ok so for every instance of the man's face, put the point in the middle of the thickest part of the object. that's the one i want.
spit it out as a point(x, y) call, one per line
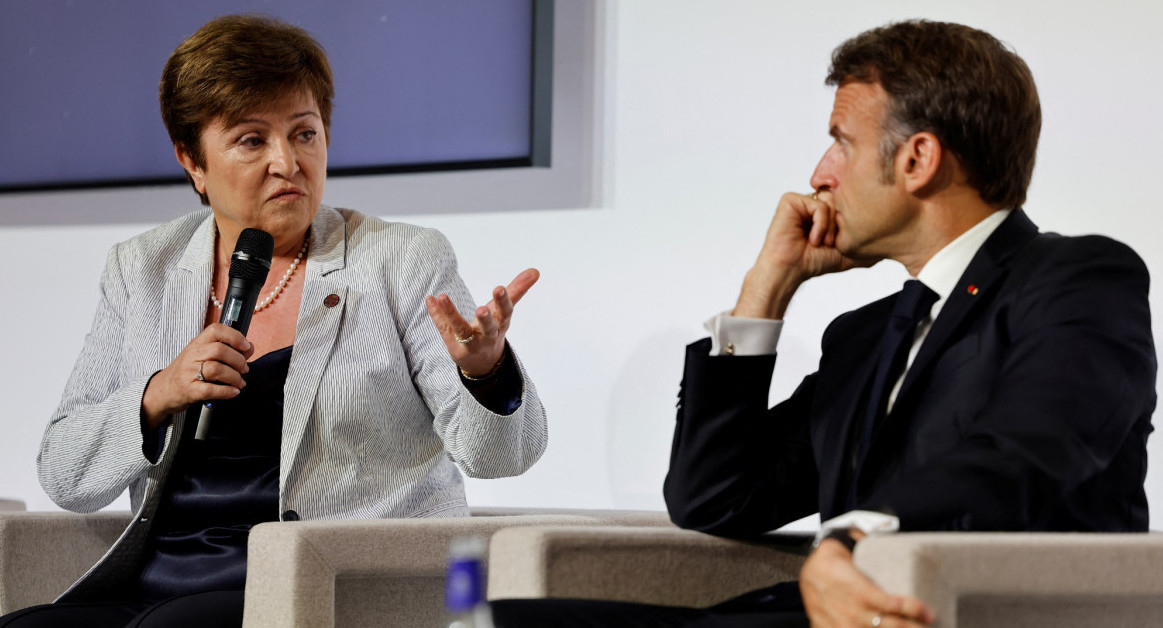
point(872, 216)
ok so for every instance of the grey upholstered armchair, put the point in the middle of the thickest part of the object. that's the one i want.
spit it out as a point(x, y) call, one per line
point(1005, 580)
point(383, 572)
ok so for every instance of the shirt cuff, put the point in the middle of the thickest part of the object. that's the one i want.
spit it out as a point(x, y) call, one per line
point(736, 335)
point(867, 521)
point(500, 393)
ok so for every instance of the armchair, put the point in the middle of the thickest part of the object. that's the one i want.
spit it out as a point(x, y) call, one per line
point(972, 580)
point(665, 566)
point(42, 553)
point(306, 573)
point(386, 572)
point(1019, 580)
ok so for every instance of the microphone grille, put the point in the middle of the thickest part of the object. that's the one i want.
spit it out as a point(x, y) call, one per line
point(252, 255)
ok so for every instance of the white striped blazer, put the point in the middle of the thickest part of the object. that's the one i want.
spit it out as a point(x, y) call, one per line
point(374, 413)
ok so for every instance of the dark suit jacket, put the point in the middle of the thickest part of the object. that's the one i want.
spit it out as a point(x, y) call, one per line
point(1027, 407)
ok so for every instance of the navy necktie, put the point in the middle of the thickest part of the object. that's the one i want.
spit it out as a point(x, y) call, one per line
point(911, 307)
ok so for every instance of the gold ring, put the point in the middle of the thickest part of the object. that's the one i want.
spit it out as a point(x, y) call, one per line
point(816, 195)
point(465, 340)
point(201, 377)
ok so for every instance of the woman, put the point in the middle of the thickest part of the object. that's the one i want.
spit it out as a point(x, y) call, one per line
point(341, 401)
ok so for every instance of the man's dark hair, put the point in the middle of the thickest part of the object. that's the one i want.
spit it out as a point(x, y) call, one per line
point(960, 84)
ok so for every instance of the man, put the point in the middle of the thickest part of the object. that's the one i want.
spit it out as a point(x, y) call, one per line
point(1015, 392)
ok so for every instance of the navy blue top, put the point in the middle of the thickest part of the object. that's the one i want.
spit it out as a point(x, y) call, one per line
point(219, 488)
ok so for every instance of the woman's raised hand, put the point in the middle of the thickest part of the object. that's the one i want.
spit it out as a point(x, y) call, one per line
point(477, 347)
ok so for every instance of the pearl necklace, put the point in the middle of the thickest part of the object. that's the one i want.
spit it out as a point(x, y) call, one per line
point(282, 282)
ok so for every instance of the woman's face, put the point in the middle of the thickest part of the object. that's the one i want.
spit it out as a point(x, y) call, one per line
point(266, 171)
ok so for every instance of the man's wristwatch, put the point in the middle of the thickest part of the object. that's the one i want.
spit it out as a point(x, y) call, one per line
point(844, 535)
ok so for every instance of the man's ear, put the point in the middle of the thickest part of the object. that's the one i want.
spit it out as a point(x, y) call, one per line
point(924, 165)
point(195, 172)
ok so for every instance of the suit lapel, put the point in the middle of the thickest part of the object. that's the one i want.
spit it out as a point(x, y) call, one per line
point(984, 275)
point(320, 314)
point(184, 297)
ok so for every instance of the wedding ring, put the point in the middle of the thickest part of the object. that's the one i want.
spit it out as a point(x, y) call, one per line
point(875, 621)
point(466, 339)
point(201, 377)
point(816, 197)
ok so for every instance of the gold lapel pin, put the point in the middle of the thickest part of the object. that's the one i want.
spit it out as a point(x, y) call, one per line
point(973, 290)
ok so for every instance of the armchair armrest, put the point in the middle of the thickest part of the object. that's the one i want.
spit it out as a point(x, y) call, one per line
point(648, 565)
point(374, 572)
point(42, 553)
point(610, 517)
point(1023, 579)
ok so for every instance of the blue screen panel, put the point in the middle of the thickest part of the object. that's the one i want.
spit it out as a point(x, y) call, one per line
point(418, 82)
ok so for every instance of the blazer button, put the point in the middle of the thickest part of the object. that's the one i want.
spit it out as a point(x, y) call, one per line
point(290, 515)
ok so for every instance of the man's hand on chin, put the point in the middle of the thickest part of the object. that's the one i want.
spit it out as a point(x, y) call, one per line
point(837, 595)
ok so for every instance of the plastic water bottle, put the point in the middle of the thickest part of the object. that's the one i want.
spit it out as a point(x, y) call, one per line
point(464, 585)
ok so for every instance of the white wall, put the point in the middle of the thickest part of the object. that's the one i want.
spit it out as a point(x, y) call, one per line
point(711, 109)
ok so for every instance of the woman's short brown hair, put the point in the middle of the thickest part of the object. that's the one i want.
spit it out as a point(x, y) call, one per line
point(962, 85)
point(234, 65)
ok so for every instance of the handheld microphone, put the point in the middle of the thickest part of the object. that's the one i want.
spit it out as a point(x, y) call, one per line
point(249, 265)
